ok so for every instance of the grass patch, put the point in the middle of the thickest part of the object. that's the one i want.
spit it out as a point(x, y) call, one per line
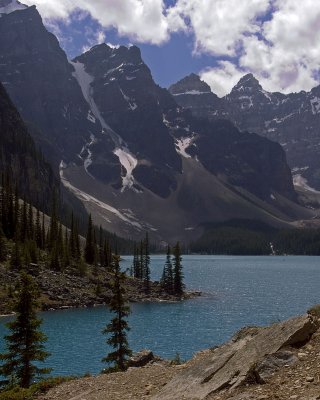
point(18, 393)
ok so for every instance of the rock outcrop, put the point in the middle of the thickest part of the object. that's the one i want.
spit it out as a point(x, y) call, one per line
point(289, 119)
point(239, 361)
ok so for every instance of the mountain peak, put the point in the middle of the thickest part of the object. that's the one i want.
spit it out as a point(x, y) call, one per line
point(8, 6)
point(248, 81)
point(103, 52)
point(191, 84)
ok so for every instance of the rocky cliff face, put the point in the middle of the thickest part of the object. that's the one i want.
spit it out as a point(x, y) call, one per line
point(20, 157)
point(291, 120)
point(136, 159)
point(38, 77)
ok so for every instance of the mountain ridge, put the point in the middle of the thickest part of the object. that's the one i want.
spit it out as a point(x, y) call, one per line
point(127, 150)
point(289, 119)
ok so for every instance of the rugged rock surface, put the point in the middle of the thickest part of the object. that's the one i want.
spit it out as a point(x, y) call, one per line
point(234, 363)
point(20, 156)
point(137, 160)
point(142, 358)
point(38, 77)
point(291, 120)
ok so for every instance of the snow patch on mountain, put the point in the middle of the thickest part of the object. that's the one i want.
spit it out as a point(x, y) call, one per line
point(85, 80)
point(131, 103)
point(10, 6)
point(192, 92)
point(128, 218)
point(248, 103)
point(182, 144)
point(90, 117)
point(88, 159)
point(127, 160)
point(129, 163)
point(315, 105)
point(302, 183)
point(267, 95)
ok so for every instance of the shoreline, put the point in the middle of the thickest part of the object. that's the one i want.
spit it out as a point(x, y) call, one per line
point(48, 308)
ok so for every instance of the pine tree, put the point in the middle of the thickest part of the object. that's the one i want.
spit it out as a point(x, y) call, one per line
point(15, 261)
point(25, 340)
point(89, 251)
point(23, 222)
point(30, 222)
point(118, 326)
point(136, 264)
point(146, 265)
point(3, 248)
point(178, 285)
point(167, 276)
point(43, 232)
point(38, 231)
point(53, 223)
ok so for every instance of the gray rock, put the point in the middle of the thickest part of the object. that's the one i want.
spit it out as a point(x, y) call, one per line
point(232, 364)
point(141, 358)
point(271, 363)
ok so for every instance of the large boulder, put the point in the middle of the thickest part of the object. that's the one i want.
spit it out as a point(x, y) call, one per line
point(235, 362)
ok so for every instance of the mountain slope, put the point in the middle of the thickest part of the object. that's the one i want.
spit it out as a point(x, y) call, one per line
point(291, 120)
point(21, 159)
point(136, 159)
point(38, 77)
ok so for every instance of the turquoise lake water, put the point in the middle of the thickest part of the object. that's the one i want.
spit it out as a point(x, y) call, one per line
point(237, 291)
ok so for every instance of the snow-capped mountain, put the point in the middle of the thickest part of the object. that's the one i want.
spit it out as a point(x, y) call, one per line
point(124, 147)
point(292, 120)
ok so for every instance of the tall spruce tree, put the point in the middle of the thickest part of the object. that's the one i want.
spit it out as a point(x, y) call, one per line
point(118, 326)
point(167, 282)
point(3, 248)
point(25, 342)
point(89, 251)
point(146, 265)
point(178, 285)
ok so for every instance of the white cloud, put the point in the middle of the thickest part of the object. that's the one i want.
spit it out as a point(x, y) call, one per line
point(276, 40)
point(222, 78)
point(284, 54)
point(141, 20)
point(219, 26)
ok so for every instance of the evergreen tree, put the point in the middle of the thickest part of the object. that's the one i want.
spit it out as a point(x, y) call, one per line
point(101, 252)
point(89, 251)
point(43, 232)
point(15, 261)
point(118, 326)
point(30, 222)
point(3, 248)
point(178, 285)
point(146, 265)
point(136, 264)
point(53, 223)
point(38, 231)
point(167, 282)
point(25, 340)
point(23, 222)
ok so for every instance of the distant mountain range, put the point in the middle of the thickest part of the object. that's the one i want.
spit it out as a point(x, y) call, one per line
point(293, 120)
point(138, 156)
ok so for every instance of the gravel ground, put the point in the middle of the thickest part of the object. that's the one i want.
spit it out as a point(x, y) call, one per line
point(300, 381)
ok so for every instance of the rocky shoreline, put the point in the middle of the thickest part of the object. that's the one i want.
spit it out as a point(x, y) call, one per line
point(68, 289)
point(277, 362)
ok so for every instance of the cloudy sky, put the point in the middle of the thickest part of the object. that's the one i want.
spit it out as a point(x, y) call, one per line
point(277, 40)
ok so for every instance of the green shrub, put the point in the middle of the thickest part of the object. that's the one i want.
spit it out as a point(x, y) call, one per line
point(18, 393)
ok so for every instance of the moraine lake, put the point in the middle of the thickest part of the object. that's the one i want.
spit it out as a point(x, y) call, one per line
point(237, 291)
